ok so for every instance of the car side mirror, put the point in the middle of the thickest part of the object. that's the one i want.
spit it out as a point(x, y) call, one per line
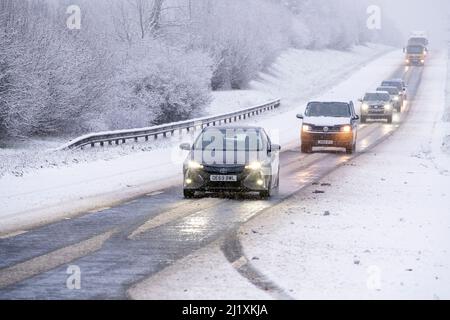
point(300, 116)
point(275, 148)
point(360, 100)
point(185, 146)
point(356, 117)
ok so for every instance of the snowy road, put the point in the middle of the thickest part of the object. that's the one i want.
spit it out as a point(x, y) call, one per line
point(117, 248)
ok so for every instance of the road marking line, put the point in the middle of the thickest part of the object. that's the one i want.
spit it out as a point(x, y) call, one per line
point(13, 234)
point(54, 259)
point(156, 193)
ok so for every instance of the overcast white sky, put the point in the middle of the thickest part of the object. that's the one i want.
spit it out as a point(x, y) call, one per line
point(432, 16)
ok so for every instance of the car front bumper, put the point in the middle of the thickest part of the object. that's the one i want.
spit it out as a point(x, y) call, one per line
point(247, 181)
point(340, 139)
point(377, 115)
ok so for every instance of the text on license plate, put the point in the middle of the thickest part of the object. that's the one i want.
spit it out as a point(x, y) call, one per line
point(223, 178)
point(325, 142)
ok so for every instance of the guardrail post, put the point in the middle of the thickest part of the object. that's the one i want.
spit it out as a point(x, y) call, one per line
point(146, 138)
point(136, 139)
point(124, 141)
point(92, 144)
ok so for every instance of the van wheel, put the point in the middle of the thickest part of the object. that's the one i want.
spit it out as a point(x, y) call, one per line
point(389, 119)
point(264, 194)
point(306, 148)
point(352, 149)
point(188, 194)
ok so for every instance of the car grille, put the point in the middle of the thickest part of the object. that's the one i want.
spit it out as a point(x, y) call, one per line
point(224, 169)
point(376, 109)
point(329, 129)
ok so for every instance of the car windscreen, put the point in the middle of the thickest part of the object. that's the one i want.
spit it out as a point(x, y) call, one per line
point(418, 40)
point(327, 109)
point(392, 84)
point(415, 49)
point(231, 140)
point(377, 97)
point(391, 90)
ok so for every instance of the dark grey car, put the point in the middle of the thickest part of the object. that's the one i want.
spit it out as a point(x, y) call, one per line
point(231, 159)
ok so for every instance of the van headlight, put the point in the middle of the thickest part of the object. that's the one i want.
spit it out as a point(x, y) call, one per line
point(365, 107)
point(306, 128)
point(388, 107)
point(346, 129)
point(396, 98)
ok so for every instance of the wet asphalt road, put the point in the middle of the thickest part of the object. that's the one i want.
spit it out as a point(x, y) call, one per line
point(121, 246)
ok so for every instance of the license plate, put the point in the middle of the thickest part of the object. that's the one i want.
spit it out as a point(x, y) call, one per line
point(217, 178)
point(325, 142)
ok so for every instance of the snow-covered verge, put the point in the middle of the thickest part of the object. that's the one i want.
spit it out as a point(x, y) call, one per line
point(295, 76)
point(78, 181)
point(380, 230)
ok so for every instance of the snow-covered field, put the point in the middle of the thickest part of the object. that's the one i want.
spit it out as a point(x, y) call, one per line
point(381, 230)
point(40, 186)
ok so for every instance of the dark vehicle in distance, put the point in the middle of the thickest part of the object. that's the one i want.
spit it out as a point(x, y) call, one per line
point(396, 96)
point(329, 124)
point(232, 159)
point(376, 105)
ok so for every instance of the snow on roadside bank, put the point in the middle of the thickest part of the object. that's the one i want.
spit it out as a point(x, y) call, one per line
point(381, 230)
point(100, 177)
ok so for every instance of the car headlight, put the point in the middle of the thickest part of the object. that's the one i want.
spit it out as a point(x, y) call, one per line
point(346, 129)
point(388, 107)
point(254, 166)
point(397, 98)
point(365, 107)
point(306, 128)
point(194, 165)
